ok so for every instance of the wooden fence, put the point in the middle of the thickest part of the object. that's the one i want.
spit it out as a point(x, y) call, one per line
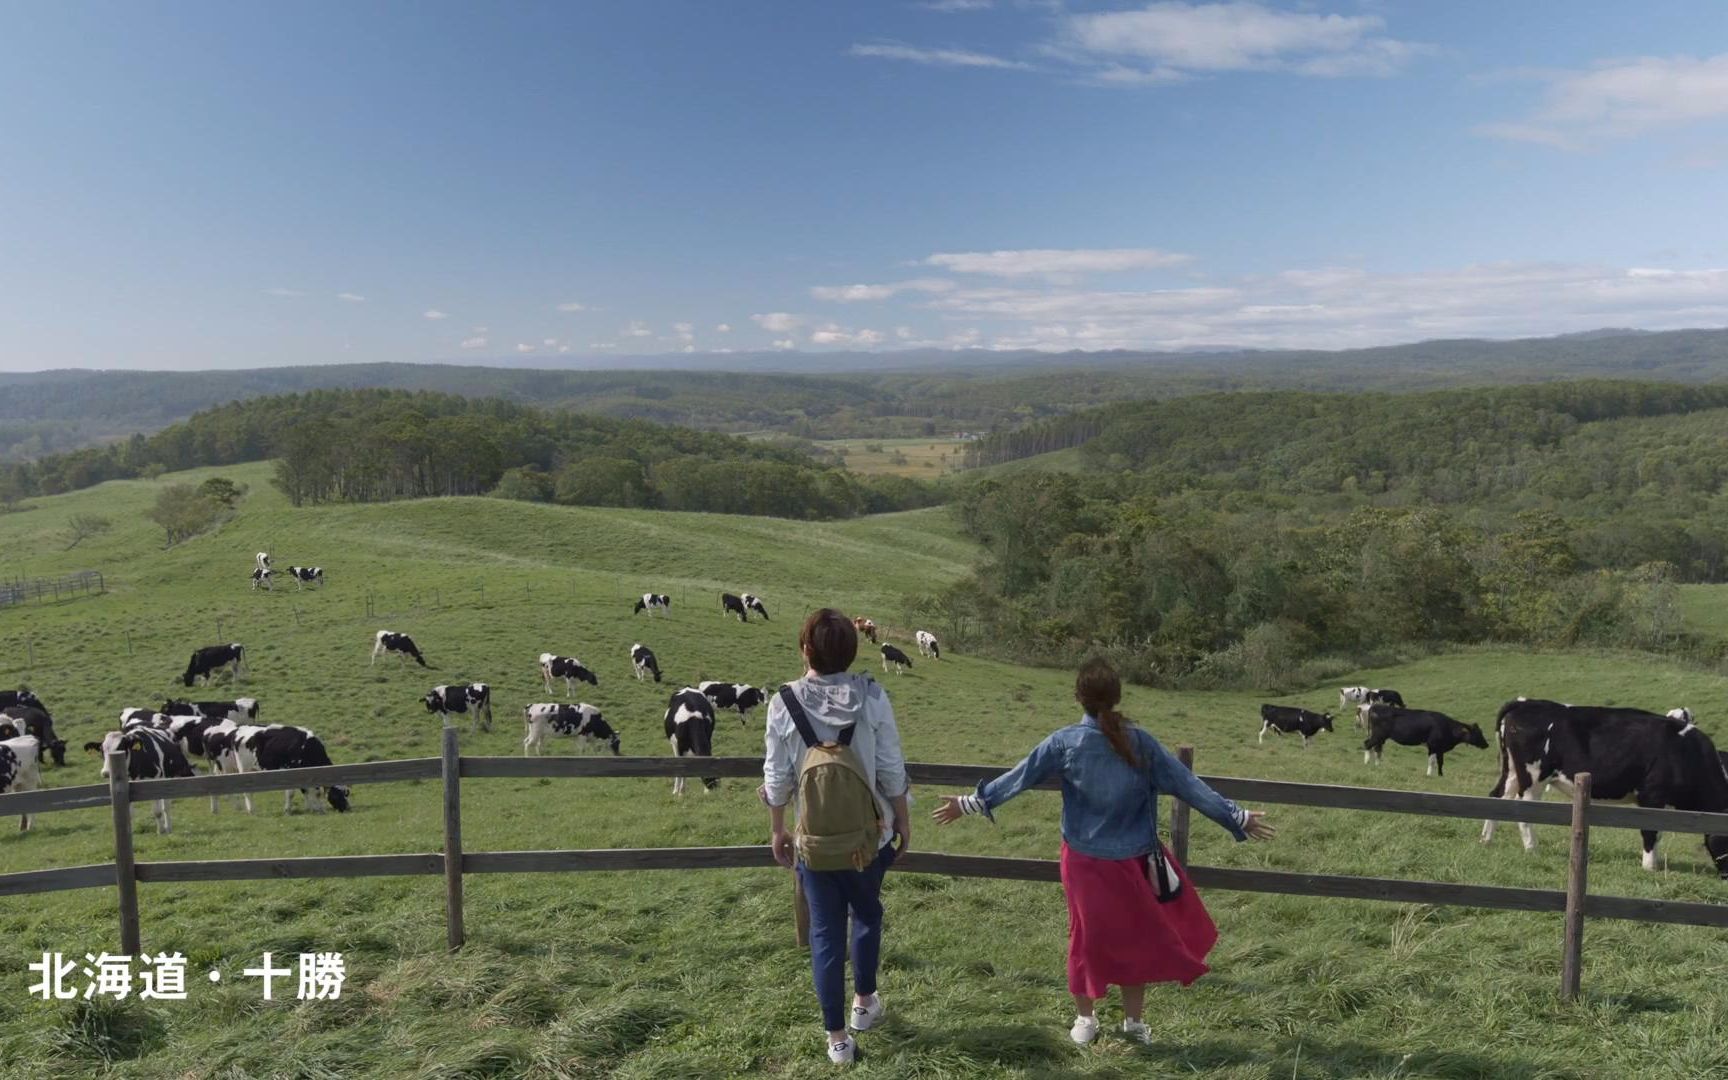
point(125, 872)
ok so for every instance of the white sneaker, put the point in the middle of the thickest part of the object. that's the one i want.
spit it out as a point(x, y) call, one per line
point(842, 1053)
point(1085, 1029)
point(1138, 1031)
point(866, 1017)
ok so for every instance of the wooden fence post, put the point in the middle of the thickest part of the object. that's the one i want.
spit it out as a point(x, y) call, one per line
point(29, 652)
point(1577, 878)
point(1179, 814)
point(125, 871)
point(452, 839)
point(800, 912)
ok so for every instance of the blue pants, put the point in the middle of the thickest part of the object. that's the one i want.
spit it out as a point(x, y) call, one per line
point(830, 894)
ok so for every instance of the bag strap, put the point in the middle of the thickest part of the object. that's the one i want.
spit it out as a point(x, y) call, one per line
point(801, 720)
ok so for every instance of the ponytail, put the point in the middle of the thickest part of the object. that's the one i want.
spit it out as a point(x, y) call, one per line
point(1098, 689)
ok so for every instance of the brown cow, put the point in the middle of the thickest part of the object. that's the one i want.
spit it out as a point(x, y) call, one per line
point(866, 627)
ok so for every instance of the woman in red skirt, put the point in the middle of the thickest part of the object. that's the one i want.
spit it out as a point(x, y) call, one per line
point(1133, 918)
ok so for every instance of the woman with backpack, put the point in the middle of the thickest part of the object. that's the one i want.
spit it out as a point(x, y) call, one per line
point(1133, 918)
point(832, 741)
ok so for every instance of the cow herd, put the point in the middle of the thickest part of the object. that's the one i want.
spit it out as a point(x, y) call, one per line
point(264, 575)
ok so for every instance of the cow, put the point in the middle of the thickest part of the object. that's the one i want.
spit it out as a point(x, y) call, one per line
point(754, 603)
point(151, 754)
point(445, 700)
point(642, 660)
point(653, 603)
point(733, 605)
point(928, 645)
point(263, 576)
point(388, 641)
point(1418, 727)
point(740, 696)
point(580, 721)
point(34, 720)
point(1683, 715)
point(206, 662)
point(280, 746)
point(306, 575)
point(240, 710)
point(690, 730)
point(144, 718)
point(1358, 696)
point(261, 560)
point(20, 769)
point(1280, 719)
point(865, 628)
point(201, 736)
point(568, 668)
point(891, 655)
point(20, 696)
point(1656, 761)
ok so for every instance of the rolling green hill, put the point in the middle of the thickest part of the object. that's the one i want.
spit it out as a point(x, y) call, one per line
point(695, 974)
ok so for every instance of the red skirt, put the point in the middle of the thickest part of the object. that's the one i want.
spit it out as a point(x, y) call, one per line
point(1118, 932)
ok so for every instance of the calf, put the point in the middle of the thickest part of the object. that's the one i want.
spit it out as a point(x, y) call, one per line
point(151, 754)
point(445, 700)
point(1281, 719)
point(20, 696)
point(579, 721)
point(642, 660)
point(891, 655)
point(1657, 761)
point(733, 605)
point(567, 668)
point(33, 720)
point(1418, 727)
point(262, 576)
point(653, 603)
point(1359, 696)
point(928, 645)
point(20, 769)
point(282, 747)
point(865, 628)
point(740, 696)
point(306, 575)
point(690, 730)
point(754, 603)
point(206, 662)
point(388, 641)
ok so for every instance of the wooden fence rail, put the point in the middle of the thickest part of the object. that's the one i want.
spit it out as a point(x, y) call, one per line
point(453, 863)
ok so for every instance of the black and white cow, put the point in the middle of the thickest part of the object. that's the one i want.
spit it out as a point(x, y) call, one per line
point(144, 718)
point(928, 645)
point(20, 769)
point(653, 603)
point(306, 575)
point(446, 700)
point(20, 696)
point(206, 662)
point(1418, 727)
point(690, 730)
point(280, 746)
point(201, 737)
point(1355, 697)
point(580, 721)
point(891, 655)
point(240, 710)
point(1282, 719)
point(754, 603)
point(151, 754)
point(261, 560)
point(34, 720)
point(568, 668)
point(643, 661)
point(388, 641)
point(740, 696)
point(1656, 761)
point(733, 605)
point(265, 577)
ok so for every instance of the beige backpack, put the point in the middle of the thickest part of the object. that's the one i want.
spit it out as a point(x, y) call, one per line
point(839, 823)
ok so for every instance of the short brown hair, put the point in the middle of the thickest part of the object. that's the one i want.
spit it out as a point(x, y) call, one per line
point(829, 640)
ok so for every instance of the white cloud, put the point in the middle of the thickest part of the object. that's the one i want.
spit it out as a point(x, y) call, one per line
point(777, 322)
point(785, 343)
point(905, 333)
point(280, 291)
point(550, 343)
point(434, 314)
point(637, 328)
point(524, 347)
point(563, 348)
point(571, 305)
point(1058, 263)
point(1620, 99)
point(846, 294)
point(952, 6)
point(602, 344)
point(937, 57)
point(474, 343)
point(834, 334)
point(723, 328)
point(351, 298)
point(685, 332)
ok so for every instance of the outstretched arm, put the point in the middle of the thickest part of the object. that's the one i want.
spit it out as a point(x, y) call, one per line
point(1170, 776)
point(1044, 761)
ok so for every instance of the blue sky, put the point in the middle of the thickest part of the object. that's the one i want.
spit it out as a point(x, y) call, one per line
point(204, 184)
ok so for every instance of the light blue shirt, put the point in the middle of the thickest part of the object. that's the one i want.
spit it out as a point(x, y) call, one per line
point(1110, 808)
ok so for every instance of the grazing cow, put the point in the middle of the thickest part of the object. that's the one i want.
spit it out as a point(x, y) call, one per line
point(151, 754)
point(1358, 696)
point(1657, 761)
point(206, 662)
point(445, 700)
point(928, 645)
point(1280, 719)
point(240, 710)
point(740, 696)
point(20, 696)
point(642, 660)
point(264, 576)
point(387, 641)
point(280, 746)
point(1418, 727)
point(261, 560)
point(201, 736)
point(306, 575)
point(144, 718)
point(653, 603)
point(31, 720)
point(567, 668)
point(690, 730)
point(891, 655)
point(733, 605)
point(20, 769)
point(865, 628)
point(580, 721)
point(754, 603)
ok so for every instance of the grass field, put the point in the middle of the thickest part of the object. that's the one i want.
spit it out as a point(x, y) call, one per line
point(922, 459)
point(695, 974)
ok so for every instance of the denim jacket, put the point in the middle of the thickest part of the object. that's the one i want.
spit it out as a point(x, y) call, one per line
point(1110, 808)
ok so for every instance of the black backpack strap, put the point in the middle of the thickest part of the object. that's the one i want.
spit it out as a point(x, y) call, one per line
point(801, 720)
